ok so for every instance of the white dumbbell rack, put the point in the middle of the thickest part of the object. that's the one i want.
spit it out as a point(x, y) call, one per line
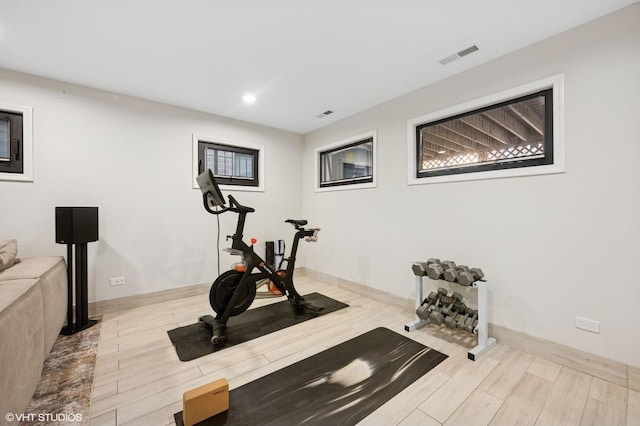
point(482, 329)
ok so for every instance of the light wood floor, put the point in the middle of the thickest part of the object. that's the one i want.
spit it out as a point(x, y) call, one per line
point(140, 381)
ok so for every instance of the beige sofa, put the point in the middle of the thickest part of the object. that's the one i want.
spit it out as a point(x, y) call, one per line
point(33, 304)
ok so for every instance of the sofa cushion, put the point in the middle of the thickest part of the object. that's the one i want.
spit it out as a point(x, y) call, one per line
point(51, 275)
point(8, 253)
point(53, 284)
point(21, 348)
point(10, 291)
point(29, 268)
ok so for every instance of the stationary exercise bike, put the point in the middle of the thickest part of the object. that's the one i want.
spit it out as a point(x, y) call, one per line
point(234, 291)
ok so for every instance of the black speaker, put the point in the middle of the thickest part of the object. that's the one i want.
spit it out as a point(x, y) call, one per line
point(76, 225)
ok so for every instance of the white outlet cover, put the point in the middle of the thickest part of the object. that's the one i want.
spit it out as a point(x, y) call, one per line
point(116, 281)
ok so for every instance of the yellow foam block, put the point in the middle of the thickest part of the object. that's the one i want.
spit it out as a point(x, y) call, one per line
point(205, 401)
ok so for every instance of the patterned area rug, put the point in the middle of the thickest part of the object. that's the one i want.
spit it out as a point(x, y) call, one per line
point(63, 395)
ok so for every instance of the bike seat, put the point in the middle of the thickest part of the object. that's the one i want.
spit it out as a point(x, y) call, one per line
point(296, 223)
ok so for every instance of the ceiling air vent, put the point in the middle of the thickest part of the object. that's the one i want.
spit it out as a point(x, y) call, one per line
point(460, 54)
point(324, 114)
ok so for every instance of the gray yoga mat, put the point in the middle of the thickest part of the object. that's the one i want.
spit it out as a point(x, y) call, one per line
point(193, 341)
point(339, 386)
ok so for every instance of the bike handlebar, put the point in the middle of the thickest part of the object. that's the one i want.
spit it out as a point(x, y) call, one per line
point(208, 204)
point(314, 236)
point(239, 208)
point(234, 205)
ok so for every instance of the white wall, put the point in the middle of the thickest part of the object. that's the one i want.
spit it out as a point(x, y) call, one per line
point(132, 159)
point(553, 247)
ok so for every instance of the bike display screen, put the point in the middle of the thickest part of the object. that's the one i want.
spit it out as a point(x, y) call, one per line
point(208, 185)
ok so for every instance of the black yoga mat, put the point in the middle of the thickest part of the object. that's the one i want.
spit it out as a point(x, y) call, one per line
point(339, 386)
point(194, 341)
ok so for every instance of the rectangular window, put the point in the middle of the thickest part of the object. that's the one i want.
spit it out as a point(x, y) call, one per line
point(4, 139)
point(11, 143)
point(347, 163)
point(514, 133)
point(231, 165)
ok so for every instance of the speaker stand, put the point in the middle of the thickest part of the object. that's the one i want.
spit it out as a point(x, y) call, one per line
point(82, 297)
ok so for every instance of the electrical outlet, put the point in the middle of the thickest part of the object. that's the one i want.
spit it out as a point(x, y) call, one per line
point(116, 281)
point(588, 324)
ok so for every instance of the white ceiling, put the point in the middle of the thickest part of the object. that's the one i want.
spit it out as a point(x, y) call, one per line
point(299, 57)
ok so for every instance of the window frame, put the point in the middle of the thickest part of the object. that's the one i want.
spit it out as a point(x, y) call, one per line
point(237, 184)
point(494, 170)
point(235, 179)
point(336, 146)
point(26, 144)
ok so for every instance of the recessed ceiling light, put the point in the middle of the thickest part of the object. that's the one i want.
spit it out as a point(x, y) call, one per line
point(249, 98)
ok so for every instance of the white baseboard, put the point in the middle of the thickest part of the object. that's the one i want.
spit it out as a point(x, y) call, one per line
point(131, 302)
point(375, 294)
point(604, 368)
